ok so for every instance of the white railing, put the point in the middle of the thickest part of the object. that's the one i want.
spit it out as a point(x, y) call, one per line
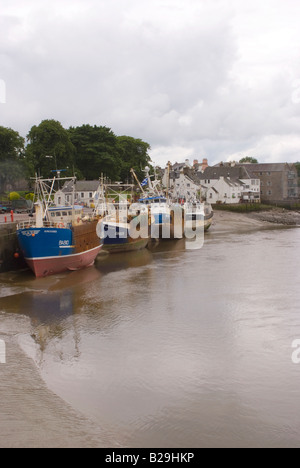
point(32, 224)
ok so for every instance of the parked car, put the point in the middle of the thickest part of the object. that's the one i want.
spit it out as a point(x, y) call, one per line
point(5, 209)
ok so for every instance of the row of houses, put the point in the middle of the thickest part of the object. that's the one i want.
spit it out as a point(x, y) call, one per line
point(234, 183)
point(224, 183)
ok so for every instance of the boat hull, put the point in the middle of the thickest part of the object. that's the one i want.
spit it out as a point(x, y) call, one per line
point(48, 250)
point(47, 266)
point(116, 239)
point(132, 245)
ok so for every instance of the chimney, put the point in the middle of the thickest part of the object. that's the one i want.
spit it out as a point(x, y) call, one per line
point(204, 164)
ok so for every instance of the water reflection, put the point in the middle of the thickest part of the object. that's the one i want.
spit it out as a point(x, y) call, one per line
point(170, 348)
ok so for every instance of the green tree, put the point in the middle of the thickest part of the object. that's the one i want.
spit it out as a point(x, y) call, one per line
point(133, 154)
point(96, 151)
point(11, 144)
point(14, 196)
point(249, 159)
point(297, 164)
point(10, 172)
point(11, 154)
point(49, 148)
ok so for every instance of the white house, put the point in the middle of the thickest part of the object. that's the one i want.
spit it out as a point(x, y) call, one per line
point(230, 184)
point(84, 193)
point(224, 190)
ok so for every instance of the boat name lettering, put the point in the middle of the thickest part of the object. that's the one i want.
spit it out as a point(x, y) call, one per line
point(51, 232)
point(66, 242)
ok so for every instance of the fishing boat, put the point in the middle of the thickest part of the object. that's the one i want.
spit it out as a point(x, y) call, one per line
point(60, 238)
point(116, 231)
point(198, 216)
point(155, 205)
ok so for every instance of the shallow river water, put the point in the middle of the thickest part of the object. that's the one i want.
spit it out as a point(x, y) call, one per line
point(173, 348)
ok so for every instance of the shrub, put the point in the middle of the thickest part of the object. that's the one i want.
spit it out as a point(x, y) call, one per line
point(14, 196)
point(243, 207)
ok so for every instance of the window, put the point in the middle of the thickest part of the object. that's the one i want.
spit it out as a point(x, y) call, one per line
point(58, 214)
point(82, 195)
point(91, 195)
point(210, 195)
point(188, 185)
point(225, 195)
point(268, 173)
point(252, 182)
point(269, 192)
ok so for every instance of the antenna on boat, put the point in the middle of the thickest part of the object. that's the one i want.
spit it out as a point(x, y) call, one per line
point(58, 172)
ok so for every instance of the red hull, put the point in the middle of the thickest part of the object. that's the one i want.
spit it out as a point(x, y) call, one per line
point(42, 267)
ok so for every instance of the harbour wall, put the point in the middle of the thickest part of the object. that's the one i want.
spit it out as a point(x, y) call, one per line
point(8, 248)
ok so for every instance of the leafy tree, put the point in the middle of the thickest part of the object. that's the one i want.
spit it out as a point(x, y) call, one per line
point(297, 164)
point(133, 154)
point(249, 159)
point(96, 151)
point(11, 144)
point(10, 172)
point(49, 148)
point(11, 153)
point(14, 196)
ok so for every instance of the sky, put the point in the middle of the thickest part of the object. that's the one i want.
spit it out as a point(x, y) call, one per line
point(216, 79)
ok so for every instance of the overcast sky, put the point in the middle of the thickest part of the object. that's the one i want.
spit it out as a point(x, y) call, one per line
point(194, 78)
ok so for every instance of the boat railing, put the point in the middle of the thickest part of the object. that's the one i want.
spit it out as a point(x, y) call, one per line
point(32, 224)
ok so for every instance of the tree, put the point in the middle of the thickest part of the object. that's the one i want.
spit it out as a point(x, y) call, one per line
point(14, 196)
point(96, 151)
point(10, 172)
point(133, 154)
point(49, 148)
point(248, 159)
point(297, 164)
point(11, 145)
point(11, 153)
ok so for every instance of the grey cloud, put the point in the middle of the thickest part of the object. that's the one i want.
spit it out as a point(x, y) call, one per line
point(163, 71)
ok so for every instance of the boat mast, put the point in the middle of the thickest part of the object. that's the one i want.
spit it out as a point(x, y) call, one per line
point(135, 176)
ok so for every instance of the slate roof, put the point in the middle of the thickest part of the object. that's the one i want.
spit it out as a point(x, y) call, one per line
point(236, 172)
point(81, 186)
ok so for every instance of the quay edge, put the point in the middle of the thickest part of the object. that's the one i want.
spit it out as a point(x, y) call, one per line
point(8, 248)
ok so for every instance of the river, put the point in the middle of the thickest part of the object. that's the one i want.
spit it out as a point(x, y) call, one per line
point(172, 348)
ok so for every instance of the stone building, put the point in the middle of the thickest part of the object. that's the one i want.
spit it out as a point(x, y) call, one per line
point(279, 182)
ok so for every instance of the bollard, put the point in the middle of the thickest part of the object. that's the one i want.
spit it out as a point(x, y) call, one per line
point(12, 216)
point(5, 219)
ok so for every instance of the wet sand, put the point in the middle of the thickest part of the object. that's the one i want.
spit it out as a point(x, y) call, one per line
point(31, 415)
point(227, 221)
